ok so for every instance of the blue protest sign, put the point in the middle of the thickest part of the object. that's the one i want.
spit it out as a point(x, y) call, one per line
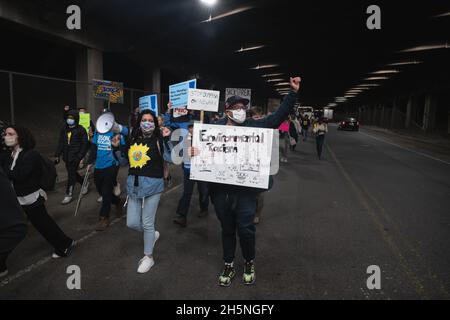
point(179, 93)
point(149, 103)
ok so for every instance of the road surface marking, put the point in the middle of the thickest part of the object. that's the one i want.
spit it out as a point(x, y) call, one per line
point(416, 281)
point(407, 149)
point(44, 261)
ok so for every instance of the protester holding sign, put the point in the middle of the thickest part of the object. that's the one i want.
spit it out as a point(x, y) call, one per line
point(146, 152)
point(72, 146)
point(105, 173)
point(235, 206)
point(24, 169)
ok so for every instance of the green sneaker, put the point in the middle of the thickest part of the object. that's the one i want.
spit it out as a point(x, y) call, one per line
point(227, 275)
point(249, 273)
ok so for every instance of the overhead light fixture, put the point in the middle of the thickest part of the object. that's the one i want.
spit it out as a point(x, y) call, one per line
point(387, 71)
point(209, 3)
point(330, 105)
point(427, 48)
point(404, 63)
point(367, 85)
point(266, 66)
point(242, 49)
point(275, 80)
point(272, 75)
point(281, 84)
point(446, 14)
point(376, 78)
point(227, 14)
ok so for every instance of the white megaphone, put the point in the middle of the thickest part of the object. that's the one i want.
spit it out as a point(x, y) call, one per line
point(106, 123)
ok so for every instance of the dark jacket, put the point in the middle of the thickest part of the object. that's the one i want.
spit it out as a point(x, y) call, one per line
point(11, 213)
point(78, 147)
point(26, 174)
point(293, 131)
point(272, 121)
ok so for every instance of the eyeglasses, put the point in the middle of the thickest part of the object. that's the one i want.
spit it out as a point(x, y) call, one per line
point(237, 107)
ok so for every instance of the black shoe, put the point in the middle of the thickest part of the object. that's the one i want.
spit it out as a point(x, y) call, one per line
point(227, 275)
point(203, 213)
point(181, 221)
point(65, 253)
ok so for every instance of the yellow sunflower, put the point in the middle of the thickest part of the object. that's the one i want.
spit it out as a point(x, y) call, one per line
point(137, 156)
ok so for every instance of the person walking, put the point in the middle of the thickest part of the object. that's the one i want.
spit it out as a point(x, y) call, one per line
point(320, 130)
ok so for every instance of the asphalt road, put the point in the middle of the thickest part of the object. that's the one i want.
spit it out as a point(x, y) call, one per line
point(369, 202)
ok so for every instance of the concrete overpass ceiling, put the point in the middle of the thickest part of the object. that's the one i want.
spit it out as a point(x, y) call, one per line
point(327, 42)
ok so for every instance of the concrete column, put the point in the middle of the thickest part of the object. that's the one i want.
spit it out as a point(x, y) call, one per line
point(383, 112)
point(429, 114)
point(374, 115)
point(394, 114)
point(411, 110)
point(89, 66)
point(152, 84)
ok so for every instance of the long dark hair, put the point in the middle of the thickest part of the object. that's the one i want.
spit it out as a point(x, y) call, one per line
point(137, 131)
point(25, 137)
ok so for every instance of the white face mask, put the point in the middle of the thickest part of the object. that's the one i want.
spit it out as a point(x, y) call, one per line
point(238, 116)
point(11, 141)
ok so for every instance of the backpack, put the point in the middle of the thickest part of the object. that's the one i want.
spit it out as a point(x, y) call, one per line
point(49, 175)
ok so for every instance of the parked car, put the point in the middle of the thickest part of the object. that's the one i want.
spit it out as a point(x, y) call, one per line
point(349, 124)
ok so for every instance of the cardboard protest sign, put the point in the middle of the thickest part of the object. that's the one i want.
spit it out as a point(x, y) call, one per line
point(178, 93)
point(108, 90)
point(149, 103)
point(243, 93)
point(85, 121)
point(232, 155)
point(203, 100)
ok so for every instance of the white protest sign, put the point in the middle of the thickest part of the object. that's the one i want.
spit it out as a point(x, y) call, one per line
point(203, 100)
point(232, 155)
point(243, 93)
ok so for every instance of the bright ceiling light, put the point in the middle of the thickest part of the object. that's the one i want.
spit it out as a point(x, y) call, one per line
point(227, 14)
point(266, 66)
point(275, 80)
point(446, 14)
point(272, 75)
point(387, 71)
point(427, 48)
point(367, 85)
point(209, 3)
point(404, 63)
point(242, 49)
point(281, 84)
point(376, 78)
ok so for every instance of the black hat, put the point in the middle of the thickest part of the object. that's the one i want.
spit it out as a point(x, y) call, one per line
point(235, 100)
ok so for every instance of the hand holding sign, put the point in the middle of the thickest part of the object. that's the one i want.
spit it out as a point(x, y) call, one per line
point(295, 83)
point(193, 152)
point(165, 132)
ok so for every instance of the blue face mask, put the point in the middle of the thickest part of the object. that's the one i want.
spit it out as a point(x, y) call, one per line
point(147, 126)
point(70, 122)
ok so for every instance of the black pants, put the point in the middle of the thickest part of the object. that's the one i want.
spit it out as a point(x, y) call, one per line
point(105, 180)
point(73, 175)
point(320, 139)
point(9, 239)
point(47, 227)
point(185, 201)
point(236, 213)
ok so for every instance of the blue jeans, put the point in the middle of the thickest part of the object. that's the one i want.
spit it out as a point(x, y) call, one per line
point(141, 215)
point(305, 133)
point(236, 213)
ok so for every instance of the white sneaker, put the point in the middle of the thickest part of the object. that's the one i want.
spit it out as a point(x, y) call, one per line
point(117, 190)
point(100, 200)
point(67, 200)
point(85, 190)
point(145, 265)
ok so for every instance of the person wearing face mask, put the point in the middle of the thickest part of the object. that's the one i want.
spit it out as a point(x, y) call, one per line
point(236, 206)
point(102, 154)
point(146, 152)
point(24, 169)
point(72, 146)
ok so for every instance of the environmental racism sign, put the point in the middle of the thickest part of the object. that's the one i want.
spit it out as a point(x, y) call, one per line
point(108, 90)
point(149, 103)
point(243, 93)
point(232, 155)
point(178, 95)
point(203, 100)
